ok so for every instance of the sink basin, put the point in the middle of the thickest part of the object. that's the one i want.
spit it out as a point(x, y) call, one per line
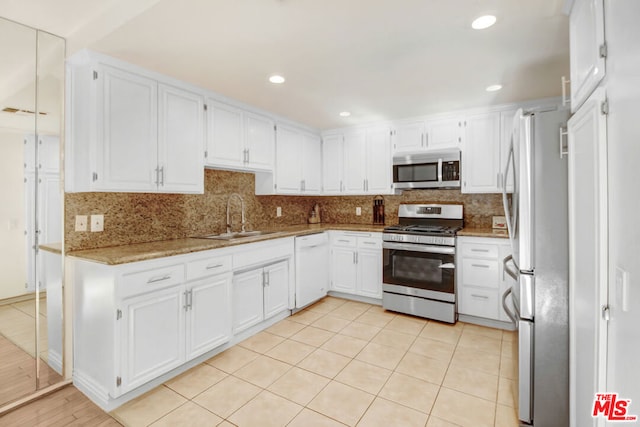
point(236, 235)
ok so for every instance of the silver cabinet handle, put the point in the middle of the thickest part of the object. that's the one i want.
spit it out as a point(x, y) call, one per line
point(565, 99)
point(340, 185)
point(480, 265)
point(248, 156)
point(268, 278)
point(422, 139)
point(190, 299)
point(344, 241)
point(480, 296)
point(211, 267)
point(162, 176)
point(354, 257)
point(186, 300)
point(157, 176)
point(479, 250)
point(369, 243)
point(364, 185)
point(159, 279)
point(564, 150)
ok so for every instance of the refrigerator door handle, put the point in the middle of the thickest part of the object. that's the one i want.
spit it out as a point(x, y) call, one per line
point(506, 309)
point(510, 272)
point(505, 200)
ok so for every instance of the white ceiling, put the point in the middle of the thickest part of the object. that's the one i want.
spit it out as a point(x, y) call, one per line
point(379, 59)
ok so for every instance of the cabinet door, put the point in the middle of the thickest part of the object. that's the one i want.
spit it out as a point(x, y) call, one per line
point(332, 164)
point(209, 314)
point(355, 162)
point(225, 145)
point(127, 142)
point(480, 154)
point(152, 333)
point(379, 160)
point(180, 141)
point(586, 33)
point(588, 275)
point(276, 288)
point(247, 299)
point(370, 273)
point(49, 154)
point(288, 160)
point(408, 137)
point(444, 133)
point(259, 141)
point(311, 164)
point(344, 275)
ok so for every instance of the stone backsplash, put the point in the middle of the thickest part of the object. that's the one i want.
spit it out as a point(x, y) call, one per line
point(146, 217)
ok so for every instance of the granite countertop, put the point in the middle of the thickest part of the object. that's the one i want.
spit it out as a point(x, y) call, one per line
point(144, 251)
point(483, 232)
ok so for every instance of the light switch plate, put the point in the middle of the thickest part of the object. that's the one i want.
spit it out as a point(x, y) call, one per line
point(358, 211)
point(279, 211)
point(81, 223)
point(499, 222)
point(97, 222)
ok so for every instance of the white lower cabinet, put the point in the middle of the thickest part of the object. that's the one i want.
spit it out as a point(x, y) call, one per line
point(356, 263)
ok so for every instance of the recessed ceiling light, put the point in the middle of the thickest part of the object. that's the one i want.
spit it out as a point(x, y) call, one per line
point(276, 79)
point(345, 114)
point(493, 88)
point(483, 22)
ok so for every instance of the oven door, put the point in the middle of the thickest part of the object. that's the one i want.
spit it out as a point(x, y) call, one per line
point(423, 267)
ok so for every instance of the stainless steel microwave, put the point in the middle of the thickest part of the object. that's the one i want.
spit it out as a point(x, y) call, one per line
point(427, 170)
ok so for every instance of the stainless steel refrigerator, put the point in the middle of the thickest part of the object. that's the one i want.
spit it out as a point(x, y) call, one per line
point(538, 229)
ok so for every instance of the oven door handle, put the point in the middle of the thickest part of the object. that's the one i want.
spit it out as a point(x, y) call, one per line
point(419, 248)
point(448, 266)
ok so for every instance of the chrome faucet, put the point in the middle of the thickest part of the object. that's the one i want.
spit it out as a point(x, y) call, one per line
point(232, 195)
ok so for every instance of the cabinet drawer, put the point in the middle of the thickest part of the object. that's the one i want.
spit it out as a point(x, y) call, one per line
point(344, 241)
point(208, 266)
point(150, 280)
point(370, 242)
point(480, 250)
point(480, 272)
point(478, 302)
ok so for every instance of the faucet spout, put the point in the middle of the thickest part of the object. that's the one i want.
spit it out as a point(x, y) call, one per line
point(238, 196)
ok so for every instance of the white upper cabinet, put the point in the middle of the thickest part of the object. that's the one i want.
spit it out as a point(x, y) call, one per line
point(332, 164)
point(238, 139)
point(355, 150)
point(587, 49)
point(298, 162)
point(481, 154)
point(367, 161)
point(409, 137)
point(311, 164)
point(430, 135)
point(444, 133)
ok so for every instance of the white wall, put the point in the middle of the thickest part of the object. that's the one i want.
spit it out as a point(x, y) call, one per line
point(623, 89)
point(12, 216)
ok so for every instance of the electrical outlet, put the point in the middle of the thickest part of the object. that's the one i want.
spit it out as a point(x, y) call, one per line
point(97, 222)
point(81, 223)
point(358, 211)
point(278, 211)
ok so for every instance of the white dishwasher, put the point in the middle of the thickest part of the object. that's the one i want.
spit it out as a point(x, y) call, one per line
point(312, 268)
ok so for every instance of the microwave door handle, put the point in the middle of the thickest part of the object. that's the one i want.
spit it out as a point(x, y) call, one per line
point(440, 170)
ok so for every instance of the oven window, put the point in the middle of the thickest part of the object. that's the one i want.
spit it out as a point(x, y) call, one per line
point(425, 172)
point(418, 270)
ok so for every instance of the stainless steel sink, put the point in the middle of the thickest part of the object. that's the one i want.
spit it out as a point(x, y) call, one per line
point(234, 236)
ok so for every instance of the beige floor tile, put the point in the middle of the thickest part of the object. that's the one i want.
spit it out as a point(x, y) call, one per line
point(313, 336)
point(374, 318)
point(149, 407)
point(442, 332)
point(381, 355)
point(188, 415)
point(411, 392)
point(266, 410)
point(196, 380)
point(225, 424)
point(394, 339)
point(291, 352)
point(299, 386)
point(261, 342)
point(475, 383)
point(463, 409)
point(306, 317)
point(478, 360)
point(480, 343)
point(406, 324)
point(331, 323)
point(433, 348)
point(506, 417)
point(380, 309)
point(350, 310)
point(509, 336)
point(485, 331)
point(383, 413)
point(324, 363)
point(227, 396)
point(509, 349)
point(309, 418)
point(232, 359)
point(263, 371)
point(285, 328)
point(326, 305)
point(361, 331)
point(342, 403)
point(506, 388)
point(508, 368)
point(437, 422)
point(422, 367)
point(364, 376)
point(344, 345)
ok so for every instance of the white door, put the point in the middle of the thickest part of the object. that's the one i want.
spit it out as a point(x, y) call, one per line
point(444, 133)
point(344, 272)
point(247, 299)
point(276, 288)
point(379, 161)
point(153, 339)
point(311, 164)
point(409, 137)
point(481, 154)
point(209, 314)
point(586, 33)
point(355, 162)
point(259, 141)
point(332, 164)
point(588, 286)
point(180, 141)
point(370, 273)
point(127, 140)
point(225, 144)
point(288, 160)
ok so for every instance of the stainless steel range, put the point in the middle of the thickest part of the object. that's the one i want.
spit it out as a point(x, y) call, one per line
point(419, 261)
